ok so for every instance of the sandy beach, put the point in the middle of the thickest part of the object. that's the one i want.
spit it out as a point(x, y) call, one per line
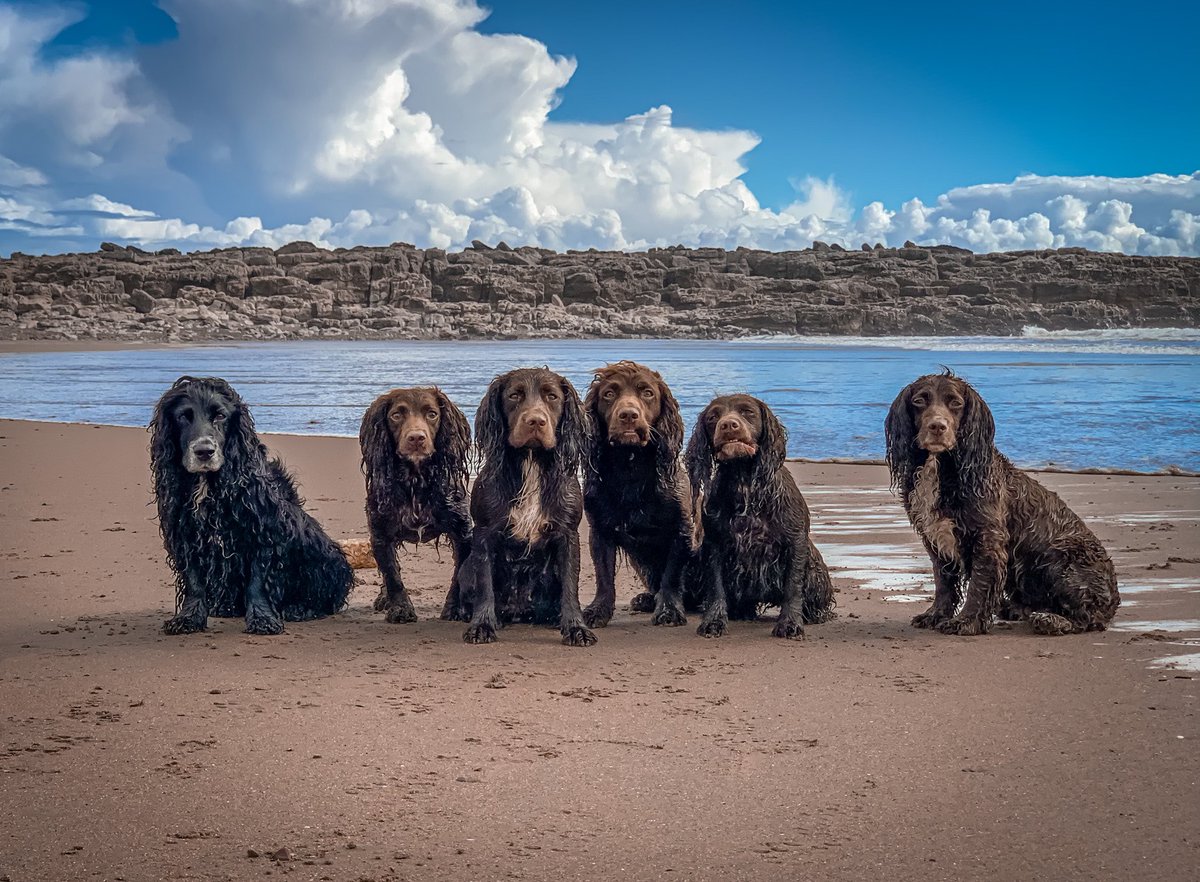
point(359, 750)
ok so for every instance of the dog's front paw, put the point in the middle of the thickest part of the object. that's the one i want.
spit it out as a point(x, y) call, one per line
point(1050, 624)
point(712, 627)
point(961, 626)
point(643, 602)
point(401, 612)
point(597, 616)
point(670, 616)
point(481, 633)
point(787, 629)
point(184, 625)
point(931, 618)
point(578, 635)
point(381, 600)
point(259, 622)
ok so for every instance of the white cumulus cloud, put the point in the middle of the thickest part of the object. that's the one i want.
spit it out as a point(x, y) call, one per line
point(369, 121)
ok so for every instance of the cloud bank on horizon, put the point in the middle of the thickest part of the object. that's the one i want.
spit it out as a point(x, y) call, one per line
point(349, 122)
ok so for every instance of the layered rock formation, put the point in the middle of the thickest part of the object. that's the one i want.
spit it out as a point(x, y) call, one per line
point(401, 292)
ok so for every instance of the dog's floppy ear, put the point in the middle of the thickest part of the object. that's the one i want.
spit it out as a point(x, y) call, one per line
point(901, 434)
point(573, 428)
point(242, 447)
point(975, 444)
point(376, 442)
point(491, 428)
point(591, 407)
point(772, 442)
point(668, 428)
point(453, 441)
point(699, 460)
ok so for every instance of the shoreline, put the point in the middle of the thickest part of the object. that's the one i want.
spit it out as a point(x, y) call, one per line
point(1168, 472)
point(1040, 337)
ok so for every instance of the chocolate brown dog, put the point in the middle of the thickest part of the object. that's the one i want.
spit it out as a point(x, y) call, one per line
point(414, 457)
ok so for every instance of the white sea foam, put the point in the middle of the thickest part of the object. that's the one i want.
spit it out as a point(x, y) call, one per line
point(1122, 341)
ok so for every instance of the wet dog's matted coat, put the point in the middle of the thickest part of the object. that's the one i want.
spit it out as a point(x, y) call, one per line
point(531, 432)
point(635, 495)
point(414, 446)
point(755, 546)
point(235, 529)
point(1000, 542)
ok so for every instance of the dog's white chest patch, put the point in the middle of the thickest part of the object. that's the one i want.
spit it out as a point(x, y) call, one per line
point(526, 520)
point(924, 511)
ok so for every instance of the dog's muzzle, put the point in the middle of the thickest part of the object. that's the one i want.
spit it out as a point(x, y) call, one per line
point(203, 455)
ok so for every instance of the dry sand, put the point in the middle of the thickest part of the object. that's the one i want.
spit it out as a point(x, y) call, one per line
point(382, 752)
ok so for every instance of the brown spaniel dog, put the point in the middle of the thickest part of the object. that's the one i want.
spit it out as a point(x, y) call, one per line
point(993, 533)
point(414, 456)
point(635, 494)
point(527, 504)
point(753, 522)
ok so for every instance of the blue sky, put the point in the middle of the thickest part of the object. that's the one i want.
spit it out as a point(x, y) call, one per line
point(1064, 123)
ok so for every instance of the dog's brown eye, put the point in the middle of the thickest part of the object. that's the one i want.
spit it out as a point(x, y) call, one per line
point(956, 403)
point(514, 396)
point(610, 395)
point(647, 393)
point(552, 396)
point(218, 417)
point(919, 401)
point(431, 415)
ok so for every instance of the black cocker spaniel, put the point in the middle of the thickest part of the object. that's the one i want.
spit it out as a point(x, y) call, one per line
point(1000, 542)
point(235, 529)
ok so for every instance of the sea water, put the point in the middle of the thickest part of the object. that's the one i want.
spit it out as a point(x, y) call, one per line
point(1117, 399)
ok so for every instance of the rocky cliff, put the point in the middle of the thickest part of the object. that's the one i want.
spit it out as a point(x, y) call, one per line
point(401, 291)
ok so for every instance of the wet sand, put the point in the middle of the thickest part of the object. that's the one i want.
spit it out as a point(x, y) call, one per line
point(371, 751)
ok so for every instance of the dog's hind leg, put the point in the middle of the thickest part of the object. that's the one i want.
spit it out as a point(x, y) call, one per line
point(817, 589)
point(1085, 599)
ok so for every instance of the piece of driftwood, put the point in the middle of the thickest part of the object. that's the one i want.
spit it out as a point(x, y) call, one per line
point(358, 553)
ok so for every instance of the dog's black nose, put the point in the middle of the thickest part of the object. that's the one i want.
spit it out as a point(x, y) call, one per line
point(204, 451)
point(628, 415)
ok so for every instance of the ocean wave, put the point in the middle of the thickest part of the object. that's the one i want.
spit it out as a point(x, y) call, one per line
point(1118, 341)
